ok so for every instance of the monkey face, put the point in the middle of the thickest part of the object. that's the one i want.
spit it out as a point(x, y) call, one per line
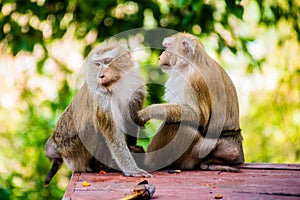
point(179, 52)
point(167, 59)
point(109, 65)
point(164, 61)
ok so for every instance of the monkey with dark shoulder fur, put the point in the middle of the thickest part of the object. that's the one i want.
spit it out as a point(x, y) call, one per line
point(98, 125)
point(201, 116)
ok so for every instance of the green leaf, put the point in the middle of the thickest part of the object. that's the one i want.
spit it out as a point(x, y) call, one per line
point(40, 65)
point(235, 8)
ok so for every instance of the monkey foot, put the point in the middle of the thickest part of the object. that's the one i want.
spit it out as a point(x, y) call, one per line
point(214, 167)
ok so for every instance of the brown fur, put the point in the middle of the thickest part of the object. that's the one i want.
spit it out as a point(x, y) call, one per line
point(97, 129)
point(201, 115)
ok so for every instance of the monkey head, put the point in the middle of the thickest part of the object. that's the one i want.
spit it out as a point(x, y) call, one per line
point(179, 51)
point(106, 65)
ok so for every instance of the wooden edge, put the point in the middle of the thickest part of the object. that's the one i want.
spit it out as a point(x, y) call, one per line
point(71, 187)
point(275, 166)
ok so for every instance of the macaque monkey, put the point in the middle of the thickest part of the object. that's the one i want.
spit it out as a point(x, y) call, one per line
point(201, 117)
point(98, 125)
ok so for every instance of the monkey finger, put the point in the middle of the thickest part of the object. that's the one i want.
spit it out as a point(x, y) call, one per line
point(144, 115)
point(142, 121)
point(148, 175)
point(141, 126)
point(145, 175)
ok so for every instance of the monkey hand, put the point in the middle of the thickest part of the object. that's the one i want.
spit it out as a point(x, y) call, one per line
point(155, 111)
point(137, 173)
point(143, 117)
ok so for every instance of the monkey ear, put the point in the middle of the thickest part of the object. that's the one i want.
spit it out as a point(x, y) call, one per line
point(188, 45)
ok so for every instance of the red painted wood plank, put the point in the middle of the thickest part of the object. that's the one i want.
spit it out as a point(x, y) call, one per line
point(71, 187)
point(271, 166)
point(255, 181)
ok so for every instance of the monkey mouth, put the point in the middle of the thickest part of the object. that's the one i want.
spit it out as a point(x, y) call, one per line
point(164, 66)
point(107, 84)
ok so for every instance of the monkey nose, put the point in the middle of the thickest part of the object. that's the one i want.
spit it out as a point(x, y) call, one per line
point(101, 76)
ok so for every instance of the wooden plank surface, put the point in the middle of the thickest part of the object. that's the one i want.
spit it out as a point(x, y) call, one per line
point(255, 181)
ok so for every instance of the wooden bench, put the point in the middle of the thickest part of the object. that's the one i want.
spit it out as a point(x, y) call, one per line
point(255, 181)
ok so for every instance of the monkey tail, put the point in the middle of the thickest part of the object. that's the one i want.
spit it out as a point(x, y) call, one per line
point(55, 167)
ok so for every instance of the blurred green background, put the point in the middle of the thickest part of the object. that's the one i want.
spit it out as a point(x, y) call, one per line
point(43, 44)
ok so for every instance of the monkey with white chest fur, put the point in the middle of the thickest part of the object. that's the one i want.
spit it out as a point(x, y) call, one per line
point(201, 117)
point(97, 129)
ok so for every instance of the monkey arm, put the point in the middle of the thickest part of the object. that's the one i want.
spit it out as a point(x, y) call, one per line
point(171, 113)
point(135, 104)
point(121, 154)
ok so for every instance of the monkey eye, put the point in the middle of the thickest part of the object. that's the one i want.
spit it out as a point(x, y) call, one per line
point(98, 64)
point(106, 61)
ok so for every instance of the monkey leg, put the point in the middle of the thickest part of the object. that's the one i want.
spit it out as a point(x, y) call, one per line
point(227, 155)
point(215, 167)
point(171, 148)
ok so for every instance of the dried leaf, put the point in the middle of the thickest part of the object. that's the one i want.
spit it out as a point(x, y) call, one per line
point(143, 191)
point(218, 196)
point(171, 171)
point(85, 184)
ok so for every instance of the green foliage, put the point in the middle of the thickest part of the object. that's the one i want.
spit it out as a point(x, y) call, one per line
point(4, 194)
point(101, 17)
point(272, 129)
point(276, 11)
point(25, 148)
